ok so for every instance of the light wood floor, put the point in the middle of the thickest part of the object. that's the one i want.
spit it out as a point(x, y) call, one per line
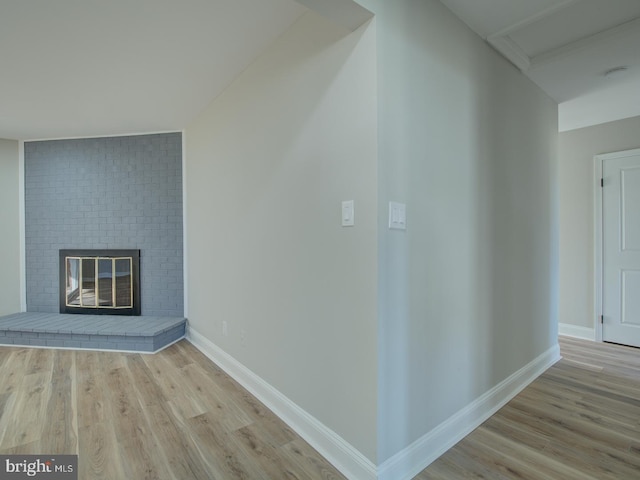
point(580, 420)
point(173, 415)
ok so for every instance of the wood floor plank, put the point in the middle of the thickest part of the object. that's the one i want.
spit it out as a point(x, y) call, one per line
point(562, 420)
point(222, 455)
point(230, 414)
point(625, 414)
point(177, 356)
point(518, 432)
point(32, 448)
point(166, 374)
point(90, 389)
point(257, 445)
point(40, 360)
point(594, 459)
point(594, 411)
point(310, 463)
point(178, 448)
point(278, 433)
point(60, 428)
point(461, 466)
point(29, 410)
point(178, 393)
point(7, 416)
point(13, 369)
point(514, 459)
point(132, 430)
point(99, 457)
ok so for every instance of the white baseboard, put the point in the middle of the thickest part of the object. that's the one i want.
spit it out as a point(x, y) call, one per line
point(92, 349)
point(416, 457)
point(405, 464)
point(576, 331)
point(340, 453)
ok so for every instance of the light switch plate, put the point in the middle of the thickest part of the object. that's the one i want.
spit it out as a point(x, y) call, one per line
point(397, 216)
point(348, 213)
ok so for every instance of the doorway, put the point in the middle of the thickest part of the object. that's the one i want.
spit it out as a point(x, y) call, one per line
point(618, 247)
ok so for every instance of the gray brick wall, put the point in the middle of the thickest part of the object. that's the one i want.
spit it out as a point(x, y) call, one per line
point(116, 192)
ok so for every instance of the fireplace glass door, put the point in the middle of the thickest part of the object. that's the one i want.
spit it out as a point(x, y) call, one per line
point(99, 282)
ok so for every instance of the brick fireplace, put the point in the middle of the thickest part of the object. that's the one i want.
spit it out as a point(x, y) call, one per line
point(104, 194)
point(117, 202)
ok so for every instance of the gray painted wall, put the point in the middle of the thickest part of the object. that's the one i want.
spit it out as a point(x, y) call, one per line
point(576, 150)
point(116, 192)
point(10, 227)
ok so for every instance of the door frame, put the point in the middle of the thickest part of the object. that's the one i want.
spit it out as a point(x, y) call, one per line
point(598, 267)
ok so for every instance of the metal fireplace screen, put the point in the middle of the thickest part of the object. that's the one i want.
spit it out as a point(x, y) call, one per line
point(100, 281)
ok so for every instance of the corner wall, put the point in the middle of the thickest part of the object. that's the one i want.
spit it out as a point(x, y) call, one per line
point(576, 151)
point(467, 295)
point(274, 280)
point(10, 226)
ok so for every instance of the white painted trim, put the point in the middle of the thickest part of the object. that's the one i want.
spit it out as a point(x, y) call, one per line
point(416, 457)
point(504, 44)
point(576, 331)
point(111, 350)
point(511, 51)
point(335, 449)
point(114, 135)
point(536, 17)
point(571, 48)
point(598, 161)
point(185, 251)
point(597, 247)
point(23, 241)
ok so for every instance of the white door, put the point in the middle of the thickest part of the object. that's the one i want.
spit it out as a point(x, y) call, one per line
point(621, 248)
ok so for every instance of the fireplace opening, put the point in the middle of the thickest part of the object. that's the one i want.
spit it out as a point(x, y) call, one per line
point(100, 282)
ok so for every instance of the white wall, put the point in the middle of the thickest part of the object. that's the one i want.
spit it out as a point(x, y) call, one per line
point(10, 227)
point(467, 293)
point(267, 166)
point(576, 152)
point(425, 321)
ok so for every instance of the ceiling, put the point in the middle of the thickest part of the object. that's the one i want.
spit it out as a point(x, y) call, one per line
point(566, 47)
point(73, 68)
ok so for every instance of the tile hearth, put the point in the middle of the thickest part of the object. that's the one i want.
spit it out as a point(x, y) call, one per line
point(98, 332)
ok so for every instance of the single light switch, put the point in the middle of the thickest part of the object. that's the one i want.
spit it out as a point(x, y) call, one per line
point(397, 216)
point(347, 213)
